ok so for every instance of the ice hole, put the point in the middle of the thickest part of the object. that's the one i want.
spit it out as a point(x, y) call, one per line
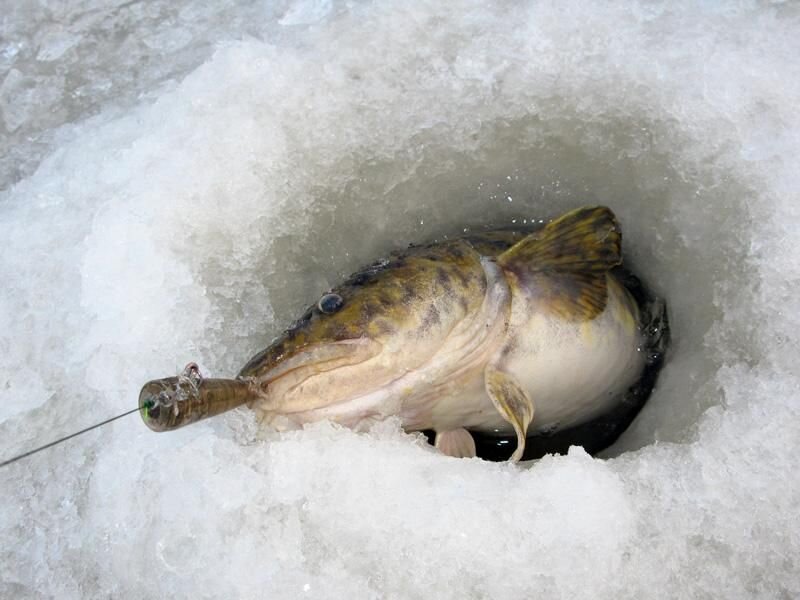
point(684, 231)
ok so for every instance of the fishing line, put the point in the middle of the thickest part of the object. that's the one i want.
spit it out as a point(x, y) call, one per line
point(64, 439)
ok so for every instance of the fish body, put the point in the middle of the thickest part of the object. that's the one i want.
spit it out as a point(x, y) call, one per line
point(505, 333)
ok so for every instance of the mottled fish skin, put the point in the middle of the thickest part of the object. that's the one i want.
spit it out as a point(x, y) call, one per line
point(413, 304)
point(389, 298)
point(405, 306)
point(386, 296)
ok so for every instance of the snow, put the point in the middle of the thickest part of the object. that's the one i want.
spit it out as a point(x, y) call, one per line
point(180, 181)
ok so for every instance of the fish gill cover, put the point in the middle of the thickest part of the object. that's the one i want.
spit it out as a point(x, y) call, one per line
point(181, 179)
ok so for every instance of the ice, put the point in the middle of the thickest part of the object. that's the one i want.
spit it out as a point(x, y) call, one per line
point(54, 43)
point(22, 96)
point(306, 12)
point(107, 55)
point(200, 174)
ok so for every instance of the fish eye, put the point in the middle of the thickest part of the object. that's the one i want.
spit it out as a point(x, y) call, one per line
point(330, 303)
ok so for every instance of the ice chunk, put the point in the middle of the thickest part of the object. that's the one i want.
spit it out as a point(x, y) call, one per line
point(306, 12)
point(23, 96)
point(55, 43)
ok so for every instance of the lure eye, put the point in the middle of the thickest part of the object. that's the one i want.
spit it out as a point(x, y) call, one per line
point(330, 303)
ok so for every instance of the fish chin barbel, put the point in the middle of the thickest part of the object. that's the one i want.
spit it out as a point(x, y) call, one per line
point(172, 402)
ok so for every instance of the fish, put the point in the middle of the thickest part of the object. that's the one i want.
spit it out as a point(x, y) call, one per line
point(505, 333)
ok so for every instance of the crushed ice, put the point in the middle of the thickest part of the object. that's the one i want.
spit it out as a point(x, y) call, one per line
point(304, 150)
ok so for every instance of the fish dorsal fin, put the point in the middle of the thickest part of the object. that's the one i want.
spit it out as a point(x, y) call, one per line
point(585, 239)
point(565, 264)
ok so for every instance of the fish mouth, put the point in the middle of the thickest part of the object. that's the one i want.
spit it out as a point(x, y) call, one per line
point(316, 359)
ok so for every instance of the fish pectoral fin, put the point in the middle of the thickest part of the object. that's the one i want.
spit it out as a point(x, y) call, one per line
point(585, 239)
point(456, 442)
point(511, 401)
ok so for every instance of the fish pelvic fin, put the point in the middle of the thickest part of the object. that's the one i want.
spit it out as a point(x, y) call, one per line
point(513, 404)
point(456, 442)
point(566, 263)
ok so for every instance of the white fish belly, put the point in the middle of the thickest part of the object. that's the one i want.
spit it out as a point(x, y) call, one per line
point(573, 371)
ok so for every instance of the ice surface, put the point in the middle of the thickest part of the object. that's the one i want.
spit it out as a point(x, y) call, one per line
point(261, 163)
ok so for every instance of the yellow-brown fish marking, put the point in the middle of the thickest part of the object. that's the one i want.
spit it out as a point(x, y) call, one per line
point(582, 240)
point(388, 299)
point(563, 267)
point(392, 297)
point(568, 296)
point(626, 312)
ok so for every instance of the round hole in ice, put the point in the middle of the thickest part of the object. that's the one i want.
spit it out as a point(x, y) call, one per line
point(685, 229)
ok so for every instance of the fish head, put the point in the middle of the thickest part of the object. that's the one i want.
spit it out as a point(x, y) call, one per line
point(381, 323)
